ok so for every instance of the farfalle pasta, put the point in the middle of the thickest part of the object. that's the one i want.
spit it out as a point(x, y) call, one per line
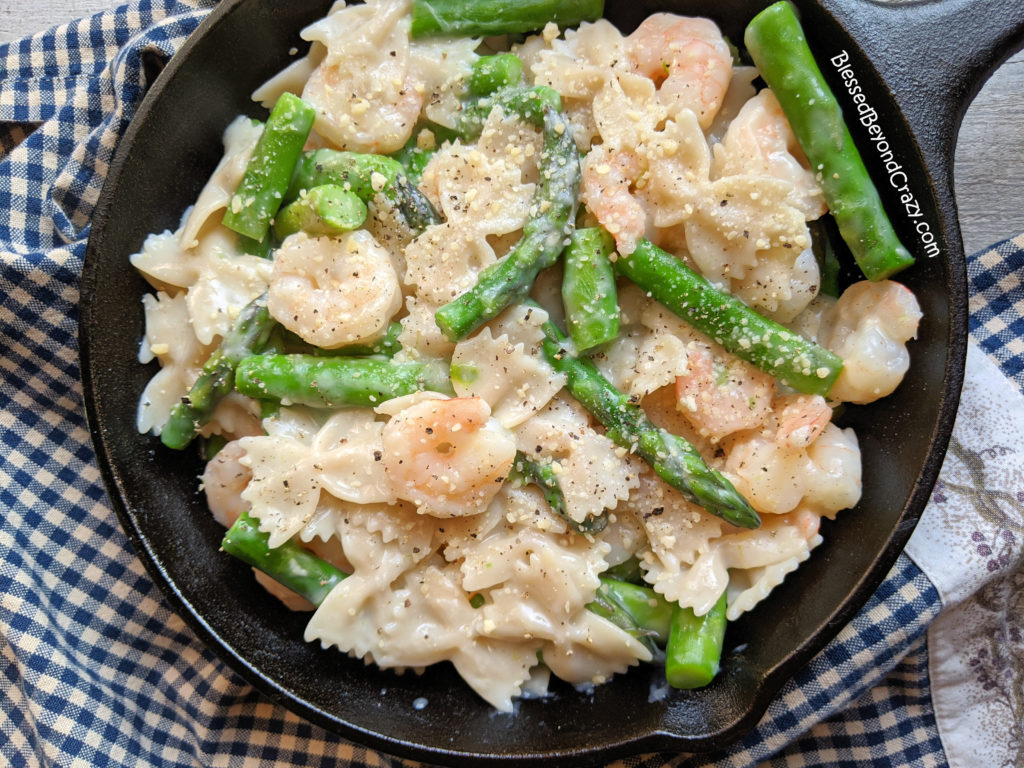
point(390, 393)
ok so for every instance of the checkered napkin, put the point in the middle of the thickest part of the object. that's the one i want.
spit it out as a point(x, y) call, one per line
point(96, 669)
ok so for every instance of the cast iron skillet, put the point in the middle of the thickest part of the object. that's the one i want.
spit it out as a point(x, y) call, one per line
point(919, 63)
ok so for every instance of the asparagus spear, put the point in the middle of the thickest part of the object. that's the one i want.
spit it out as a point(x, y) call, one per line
point(795, 361)
point(778, 47)
point(588, 289)
point(822, 244)
point(627, 570)
point(264, 248)
point(333, 382)
point(509, 280)
point(416, 153)
point(365, 175)
point(290, 564)
point(672, 457)
point(212, 445)
point(269, 171)
point(387, 345)
point(528, 104)
point(525, 470)
point(324, 210)
point(638, 610)
point(249, 335)
point(694, 650)
point(479, 18)
point(493, 72)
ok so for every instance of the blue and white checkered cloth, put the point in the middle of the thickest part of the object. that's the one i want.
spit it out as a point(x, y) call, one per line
point(96, 668)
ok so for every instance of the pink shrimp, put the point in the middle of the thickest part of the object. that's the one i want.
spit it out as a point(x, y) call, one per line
point(688, 58)
point(869, 328)
point(721, 394)
point(801, 419)
point(805, 521)
point(224, 479)
point(760, 141)
point(606, 182)
point(447, 456)
point(773, 465)
point(366, 95)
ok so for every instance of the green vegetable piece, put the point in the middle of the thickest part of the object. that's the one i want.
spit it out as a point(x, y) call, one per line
point(465, 373)
point(386, 346)
point(778, 47)
point(525, 470)
point(352, 170)
point(269, 409)
point(527, 104)
point(694, 650)
point(324, 210)
point(627, 570)
point(372, 178)
point(638, 610)
point(269, 172)
point(263, 248)
point(493, 72)
point(509, 280)
point(212, 446)
point(588, 289)
point(290, 564)
point(250, 334)
point(480, 18)
point(417, 152)
point(672, 457)
point(416, 162)
point(334, 382)
point(825, 254)
point(786, 355)
point(414, 159)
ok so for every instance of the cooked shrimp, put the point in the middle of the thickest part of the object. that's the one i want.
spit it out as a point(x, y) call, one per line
point(800, 283)
point(334, 292)
point(720, 394)
point(780, 464)
point(801, 419)
point(760, 142)
point(805, 521)
point(605, 189)
point(224, 479)
point(771, 476)
point(365, 95)
point(869, 327)
point(688, 58)
point(835, 479)
point(449, 457)
point(380, 125)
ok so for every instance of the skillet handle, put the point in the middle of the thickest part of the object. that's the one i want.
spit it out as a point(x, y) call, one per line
point(934, 55)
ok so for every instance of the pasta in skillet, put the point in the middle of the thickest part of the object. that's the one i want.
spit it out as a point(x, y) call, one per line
point(451, 550)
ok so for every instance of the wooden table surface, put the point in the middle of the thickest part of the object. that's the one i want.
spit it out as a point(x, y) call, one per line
point(989, 161)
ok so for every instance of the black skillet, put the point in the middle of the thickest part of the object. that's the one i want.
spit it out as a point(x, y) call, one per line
point(919, 64)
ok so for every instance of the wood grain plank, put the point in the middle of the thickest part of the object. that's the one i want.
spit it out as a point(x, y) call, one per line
point(989, 162)
point(25, 17)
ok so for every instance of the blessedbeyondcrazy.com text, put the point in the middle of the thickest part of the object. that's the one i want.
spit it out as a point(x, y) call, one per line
point(868, 117)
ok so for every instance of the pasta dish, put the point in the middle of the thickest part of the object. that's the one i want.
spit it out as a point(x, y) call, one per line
point(521, 351)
